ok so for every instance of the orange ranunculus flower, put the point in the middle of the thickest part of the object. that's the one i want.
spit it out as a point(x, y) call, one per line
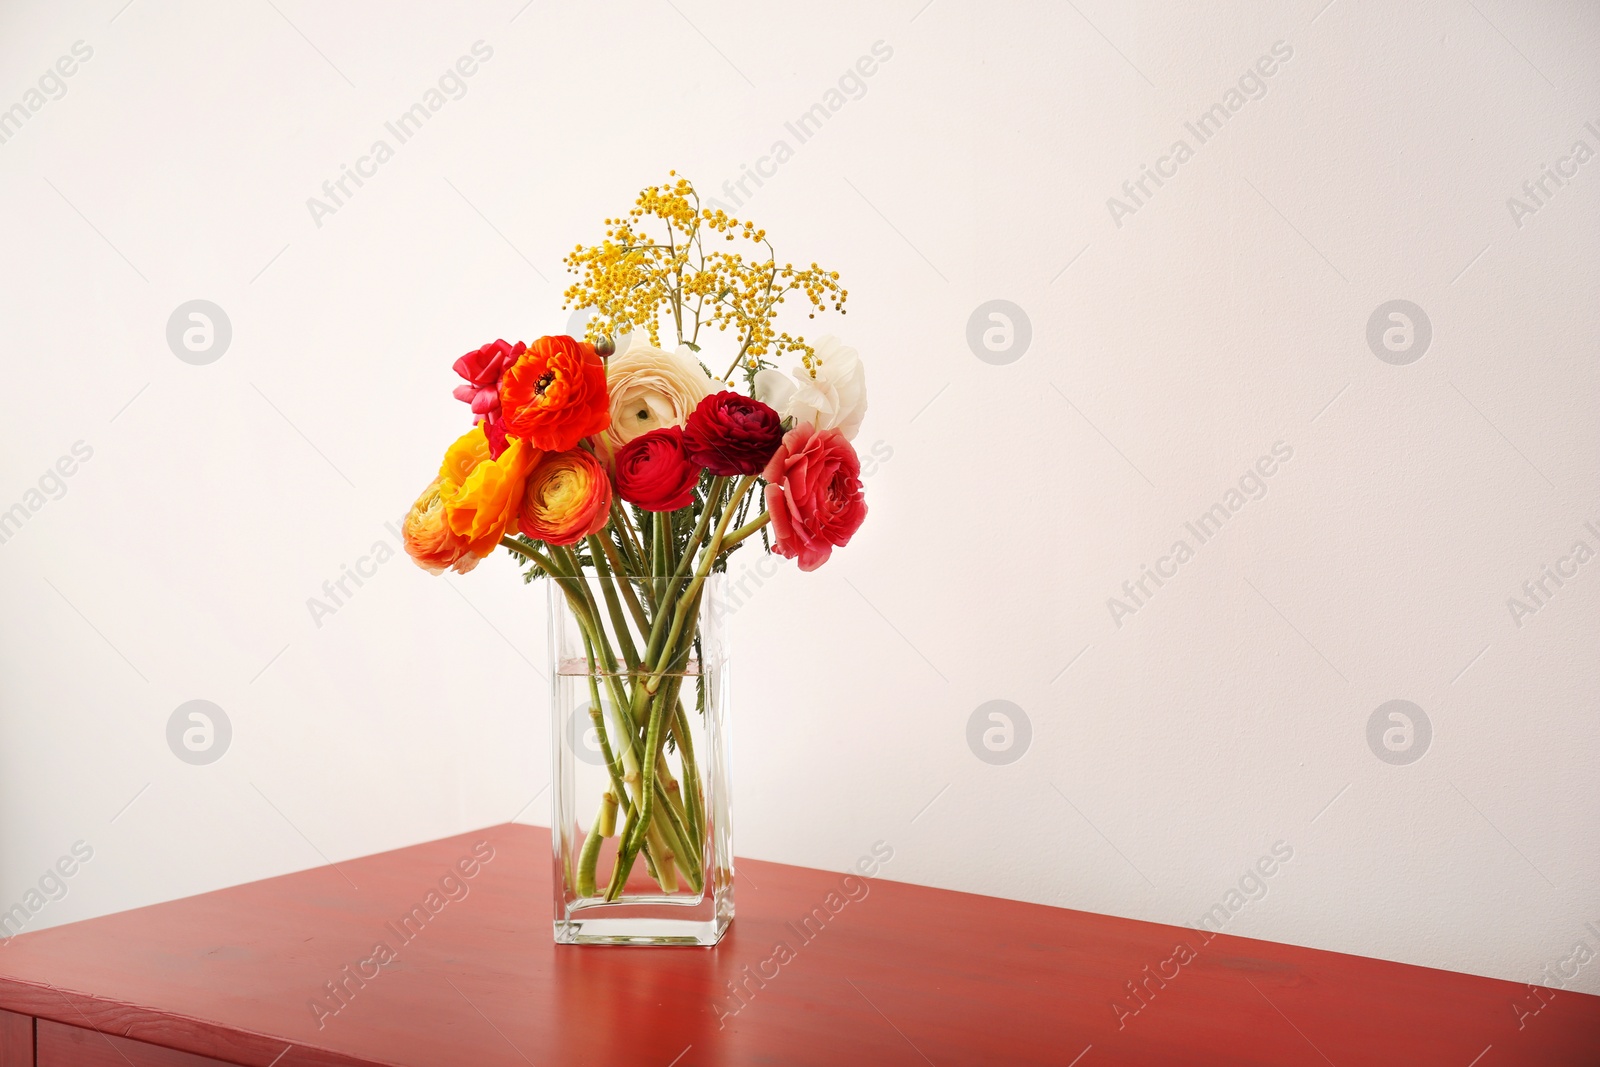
point(567, 499)
point(555, 394)
point(428, 538)
point(481, 494)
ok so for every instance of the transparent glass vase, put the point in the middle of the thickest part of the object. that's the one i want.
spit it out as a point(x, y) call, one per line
point(643, 848)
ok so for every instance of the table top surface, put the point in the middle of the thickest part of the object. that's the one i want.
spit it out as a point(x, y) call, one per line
point(898, 974)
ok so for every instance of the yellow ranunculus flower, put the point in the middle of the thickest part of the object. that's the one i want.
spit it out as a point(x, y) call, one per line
point(480, 495)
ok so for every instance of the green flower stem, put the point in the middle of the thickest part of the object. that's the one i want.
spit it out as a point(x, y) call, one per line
point(655, 739)
point(658, 626)
point(723, 500)
point(745, 531)
point(693, 802)
point(658, 542)
point(575, 579)
point(587, 612)
point(666, 860)
point(614, 763)
point(588, 859)
point(658, 557)
point(666, 791)
point(613, 604)
point(623, 834)
point(650, 790)
point(620, 570)
point(651, 849)
point(584, 878)
point(675, 832)
point(674, 802)
point(634, 753)
point(606, 824)
point(653, 786)
point(594, 637)
point(572, 572)
point(692, 595)
point(714, 495)
point(675, 798)
point(630, 844)
point(679, 832)
point(528, 552)
point(630, 847)
point(669, 541)
point(622, 522)
point(655, 789)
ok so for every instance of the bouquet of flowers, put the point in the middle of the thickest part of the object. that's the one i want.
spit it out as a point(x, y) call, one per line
point(627, 474)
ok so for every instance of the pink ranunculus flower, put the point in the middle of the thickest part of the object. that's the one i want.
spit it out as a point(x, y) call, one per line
point(482, 369)
point(813, 495)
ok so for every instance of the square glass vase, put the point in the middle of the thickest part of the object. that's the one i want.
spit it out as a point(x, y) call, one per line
point(640, 827)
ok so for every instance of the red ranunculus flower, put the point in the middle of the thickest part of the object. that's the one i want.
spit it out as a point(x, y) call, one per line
point(729, 433)
point(813, 495)
point(482, 369)
point(655, 472)
point(555, 395)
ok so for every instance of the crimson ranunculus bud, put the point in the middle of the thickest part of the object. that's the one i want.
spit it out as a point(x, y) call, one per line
point(729, 433)
point(655, 472)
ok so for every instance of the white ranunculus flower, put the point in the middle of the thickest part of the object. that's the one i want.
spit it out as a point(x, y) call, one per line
point(651, 388)
point(834, 398)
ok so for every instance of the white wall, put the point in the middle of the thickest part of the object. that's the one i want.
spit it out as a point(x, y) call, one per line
point(1227, 313)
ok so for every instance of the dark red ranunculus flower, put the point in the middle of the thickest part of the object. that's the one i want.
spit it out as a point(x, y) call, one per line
point(729, 433)
point(655, 472)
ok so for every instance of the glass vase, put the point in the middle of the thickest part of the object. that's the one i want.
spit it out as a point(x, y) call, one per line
point(640, 825)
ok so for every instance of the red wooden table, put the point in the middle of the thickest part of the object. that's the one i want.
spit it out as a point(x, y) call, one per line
point(288, 972)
